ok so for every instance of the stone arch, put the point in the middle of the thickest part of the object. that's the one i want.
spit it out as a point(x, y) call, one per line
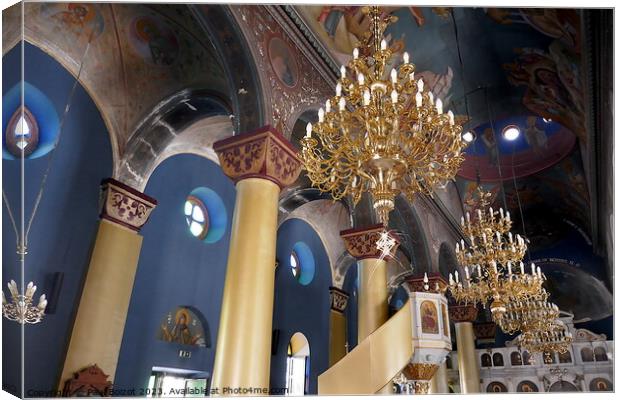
point(230, 44)
point(168, 124)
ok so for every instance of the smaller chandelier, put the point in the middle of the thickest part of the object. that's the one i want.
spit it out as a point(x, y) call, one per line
point(21, 308)
point(529, 315)
point(555, 337)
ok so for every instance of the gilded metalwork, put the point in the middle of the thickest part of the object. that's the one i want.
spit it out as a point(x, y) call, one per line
point(382, 132)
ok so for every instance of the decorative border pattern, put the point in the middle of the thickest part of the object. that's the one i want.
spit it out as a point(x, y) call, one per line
point(338, 299)
point(361, 243)
point(436, 283)
point(264, 153)
point(463, 313)
point(124, 205)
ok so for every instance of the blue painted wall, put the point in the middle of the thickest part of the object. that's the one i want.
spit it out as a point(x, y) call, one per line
point(351, 286)
point(299, 308)
point(175, 269)
point(63, 231)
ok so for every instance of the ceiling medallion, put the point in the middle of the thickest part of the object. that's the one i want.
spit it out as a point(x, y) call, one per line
point(382, 132)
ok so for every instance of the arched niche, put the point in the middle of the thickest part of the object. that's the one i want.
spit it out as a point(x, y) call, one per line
point(563, 386)
point(298, 365)
point(185, 325)
point(64, 227)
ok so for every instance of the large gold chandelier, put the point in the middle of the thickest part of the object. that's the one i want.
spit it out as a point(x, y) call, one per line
point(492, 263)
point(382, 132)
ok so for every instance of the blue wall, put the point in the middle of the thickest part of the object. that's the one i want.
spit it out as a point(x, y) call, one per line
point(175, 269)
point(63, 231)
point(351, 286)
point(301, 308)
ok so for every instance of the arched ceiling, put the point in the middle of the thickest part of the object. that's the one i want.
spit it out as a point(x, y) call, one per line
point(138, 55)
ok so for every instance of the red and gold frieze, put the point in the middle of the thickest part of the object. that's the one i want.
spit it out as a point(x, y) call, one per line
point(124, 205)
point(435, 284)
point(485, 331)
point(361, 243)
point(463, 312)
point(264, 154)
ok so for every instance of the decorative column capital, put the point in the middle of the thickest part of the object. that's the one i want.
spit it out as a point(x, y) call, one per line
point(361, 243)
point(338, 299)
point(263, 153)
point(485, 332)
point(463, 312)
point(124, 205)
point(436, 283)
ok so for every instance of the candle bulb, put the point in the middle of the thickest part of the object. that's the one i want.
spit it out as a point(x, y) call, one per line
point(456, 275)
point(321, 114)
point(328, 106)
point(510, 237)
point(499, 237)
point(457, 249)
point(462, 243)
point(356, 53)
point(533, 269)
point(501, 213)
point(431, 98)
point(451, 279)
point(467, 216)
point(338, 89)
point(394, 76)
point(495, 267)
point(451, 117)
point(383, 44)
point(439, 106)
point(406, 58)
point(509, 268)
point(418, 100)
point(467, 272)
point(342, 103)
point(425, 278)
point(420, 85)
point(412, 77)
point(479, 215)
point(539, 273)
point(308, 130)
point(508, 215)
point(366, 97)
point(343, 71)
point(360, 79)
point(522, 267)
point(479, 271)
point(462, 221)
point(484, 238)
point(394, 96)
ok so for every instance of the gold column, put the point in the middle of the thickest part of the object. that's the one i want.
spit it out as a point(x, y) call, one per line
point(469, 373)
point(338, 328)
point(261, 163)
point(100, 320)
point(439, 382)
point(372, 299)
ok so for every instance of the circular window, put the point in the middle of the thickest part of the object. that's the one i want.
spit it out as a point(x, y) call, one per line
point(205, 215)
point(22, 133)
point(197, 217)
point(301, 262)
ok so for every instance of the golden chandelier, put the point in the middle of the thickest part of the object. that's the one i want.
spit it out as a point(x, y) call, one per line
point(492, 263)
point(382, 132)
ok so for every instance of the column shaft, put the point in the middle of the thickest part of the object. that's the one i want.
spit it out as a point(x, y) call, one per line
point(337, 336)
point(439, 383)
point(243, 350)
point(100, 320)
point(469, 372)
point(372, 296)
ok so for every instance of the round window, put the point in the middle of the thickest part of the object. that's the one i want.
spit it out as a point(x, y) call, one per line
point(301, 263)
point(197, 217)
point(22, 133)
point(205, 215)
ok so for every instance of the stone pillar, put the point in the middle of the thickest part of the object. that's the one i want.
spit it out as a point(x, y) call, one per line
point(100, 319)
point(372, 300)
point(469, 371)
point(261, 163)
point(439, 382)
point(338, 325)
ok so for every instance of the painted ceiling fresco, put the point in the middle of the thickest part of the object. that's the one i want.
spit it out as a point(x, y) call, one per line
point(122, 49)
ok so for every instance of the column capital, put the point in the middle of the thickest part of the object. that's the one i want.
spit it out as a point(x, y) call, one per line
point(463, 312)
point(361, 243)
point(436, 283)
point(264, 153)
point(125, 206)
point(338, 299)
point(485, 332)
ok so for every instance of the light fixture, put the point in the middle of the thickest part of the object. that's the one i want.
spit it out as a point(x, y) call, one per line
point(492, 262)
point(511, 132)
point(469, 136)
point(21, 309)
point(382, 132)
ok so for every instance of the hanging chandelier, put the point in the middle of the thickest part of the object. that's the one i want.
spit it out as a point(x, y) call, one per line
point(554, 338)
point(21, 308)
point(492, 263)
point(382, 132)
